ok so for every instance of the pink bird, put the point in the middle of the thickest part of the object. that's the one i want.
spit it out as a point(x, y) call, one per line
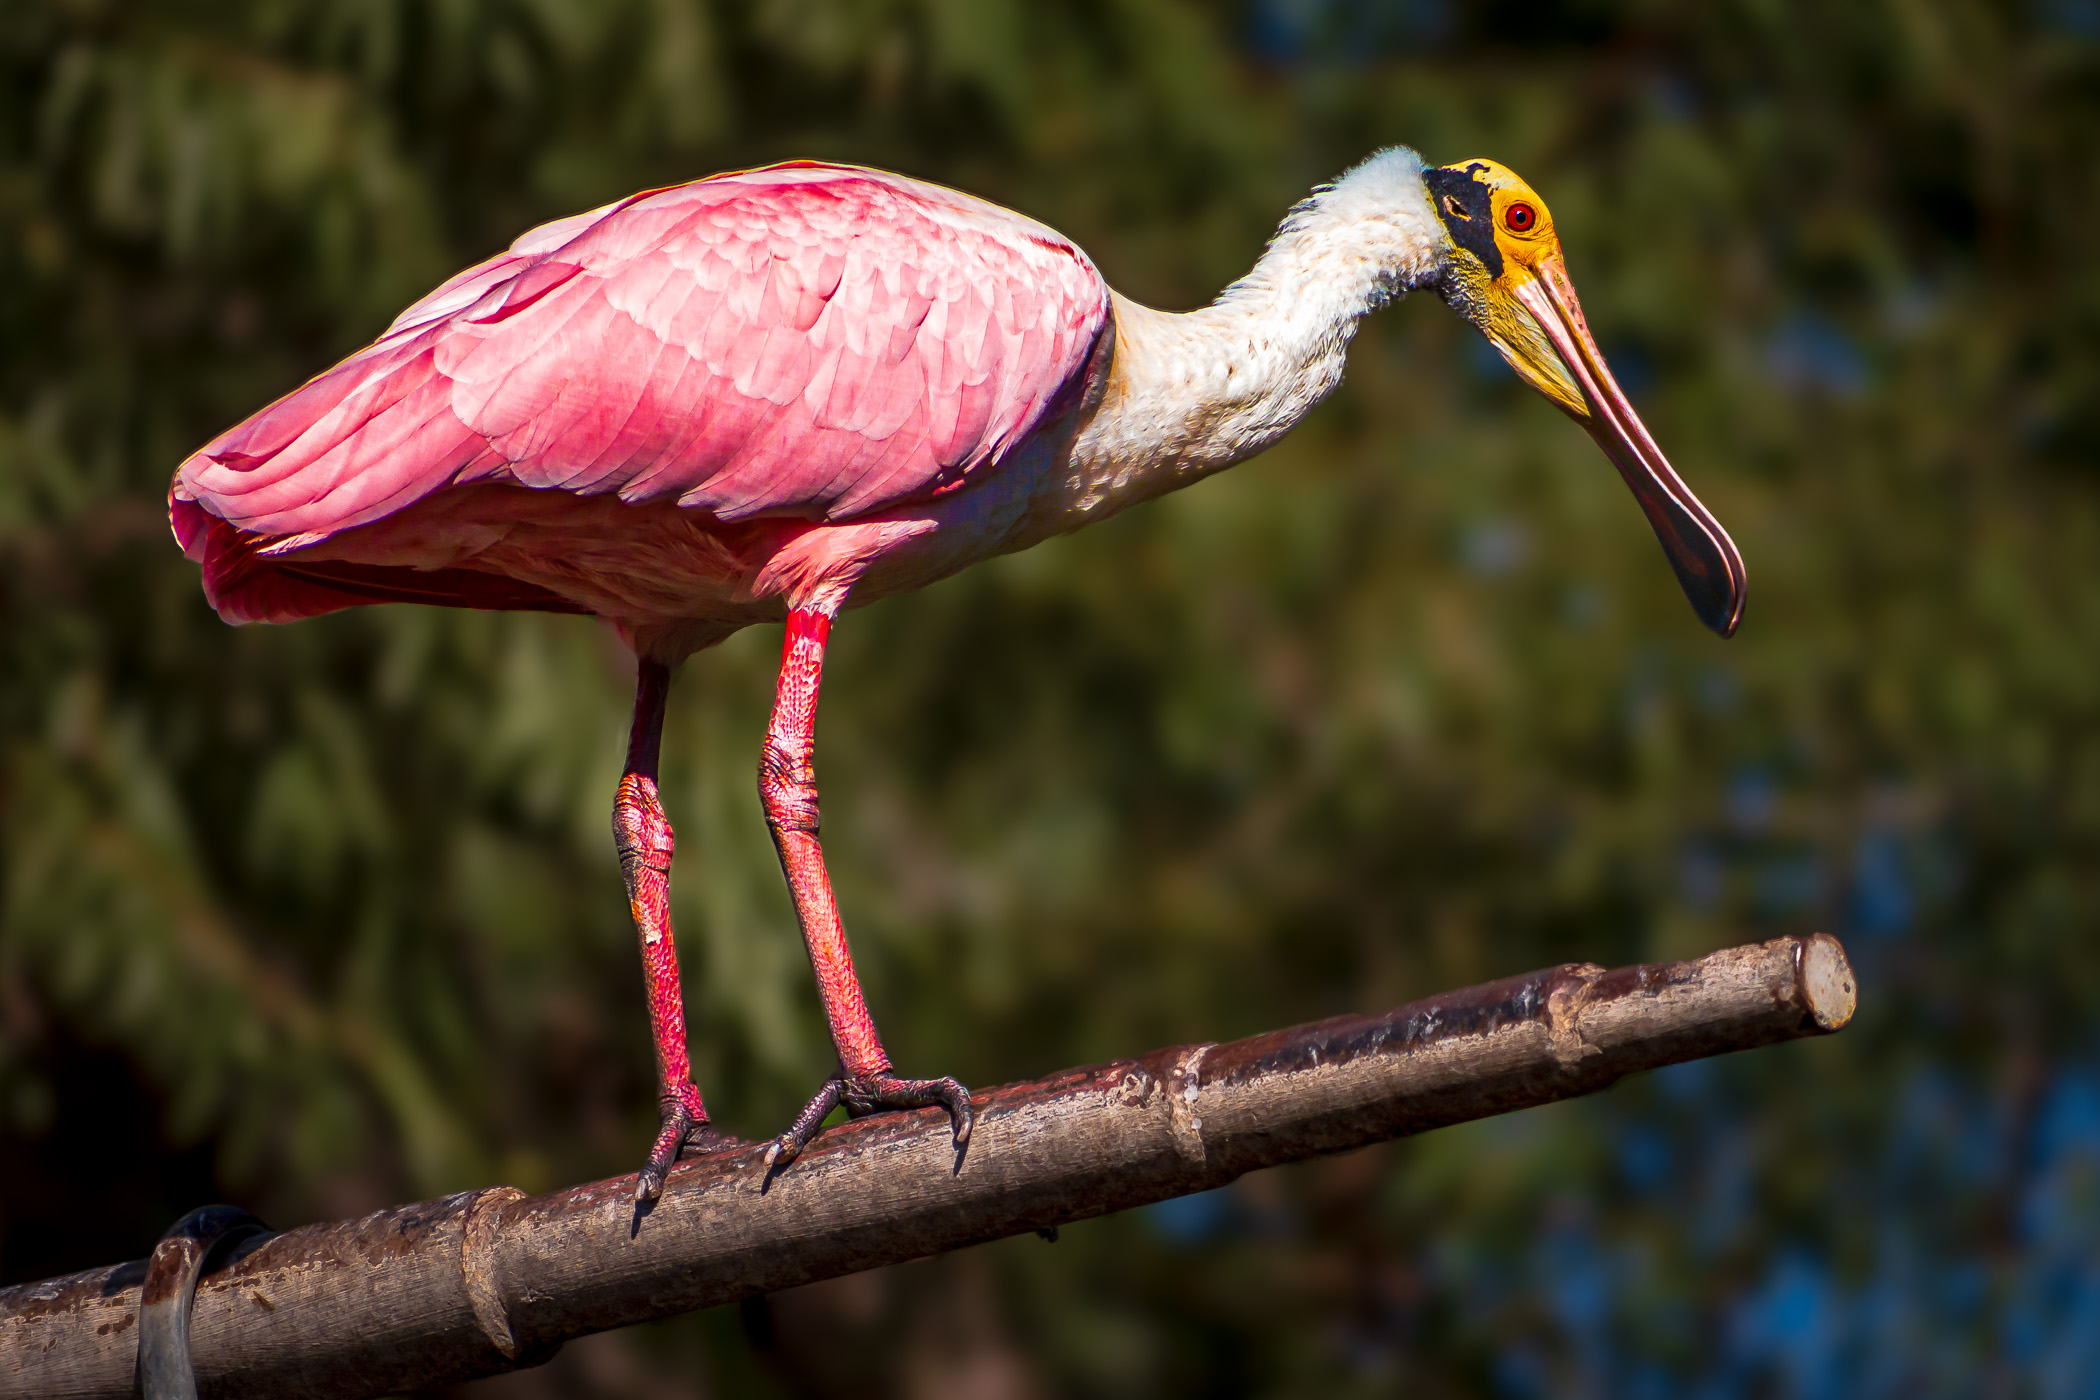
point(779, 393)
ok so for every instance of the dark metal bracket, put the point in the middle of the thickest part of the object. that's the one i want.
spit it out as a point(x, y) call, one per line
point(194, 1243)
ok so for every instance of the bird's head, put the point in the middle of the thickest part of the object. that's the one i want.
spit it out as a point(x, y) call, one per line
point(1503, 271)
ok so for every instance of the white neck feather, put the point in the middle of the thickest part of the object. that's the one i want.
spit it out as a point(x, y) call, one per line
point(1190, 393)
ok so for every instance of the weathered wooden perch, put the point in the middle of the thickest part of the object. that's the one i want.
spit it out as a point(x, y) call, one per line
point(491, 1280)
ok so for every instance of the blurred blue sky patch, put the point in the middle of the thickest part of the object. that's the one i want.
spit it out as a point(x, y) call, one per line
point(1285, 32)
point(1192, 1220)
point(1809, 353)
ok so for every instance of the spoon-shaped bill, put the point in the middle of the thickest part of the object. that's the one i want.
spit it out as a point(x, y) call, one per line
point(1700, 551)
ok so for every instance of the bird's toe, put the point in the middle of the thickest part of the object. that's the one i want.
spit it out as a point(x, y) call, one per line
point(873, 1093)
point(683, 1125)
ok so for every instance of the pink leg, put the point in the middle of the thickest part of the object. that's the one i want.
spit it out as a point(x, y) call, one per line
point(787, 785)
point(642, 835)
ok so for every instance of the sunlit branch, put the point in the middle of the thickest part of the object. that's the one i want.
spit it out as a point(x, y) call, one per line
point(488, 1281)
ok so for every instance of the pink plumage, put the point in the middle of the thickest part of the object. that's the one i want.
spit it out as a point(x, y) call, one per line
point(806, 341)
point(775, 394)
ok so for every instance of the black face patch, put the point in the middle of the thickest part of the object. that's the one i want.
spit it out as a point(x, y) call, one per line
point(1467, 207)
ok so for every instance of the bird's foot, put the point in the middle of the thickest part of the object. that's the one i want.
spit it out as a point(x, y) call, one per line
point(871, 1093)
point(684, 1124)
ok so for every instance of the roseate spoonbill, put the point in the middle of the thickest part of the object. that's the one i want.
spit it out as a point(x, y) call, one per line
point(778, 393)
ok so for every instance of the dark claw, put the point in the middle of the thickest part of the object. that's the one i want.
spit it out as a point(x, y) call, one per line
point(679, 1131)
point(871, 1094)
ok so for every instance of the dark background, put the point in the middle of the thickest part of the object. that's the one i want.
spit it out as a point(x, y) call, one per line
point(321, 918)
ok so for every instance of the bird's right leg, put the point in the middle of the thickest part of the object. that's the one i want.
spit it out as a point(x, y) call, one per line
point(787, 785)
point(642, 833)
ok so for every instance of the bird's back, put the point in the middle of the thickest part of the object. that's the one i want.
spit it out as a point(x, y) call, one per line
point(804, 340)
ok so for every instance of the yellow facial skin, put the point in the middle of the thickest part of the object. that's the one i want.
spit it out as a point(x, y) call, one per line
point(1489, 300)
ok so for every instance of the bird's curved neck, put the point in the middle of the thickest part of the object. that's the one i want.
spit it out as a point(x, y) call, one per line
point(1192, 392)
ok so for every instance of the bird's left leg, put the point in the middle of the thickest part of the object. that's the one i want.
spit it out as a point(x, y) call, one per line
point(787, 784)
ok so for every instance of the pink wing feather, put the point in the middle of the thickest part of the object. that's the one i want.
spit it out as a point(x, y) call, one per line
point(809, 340)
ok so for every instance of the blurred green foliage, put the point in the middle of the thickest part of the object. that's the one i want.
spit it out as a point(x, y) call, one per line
point(326, 917)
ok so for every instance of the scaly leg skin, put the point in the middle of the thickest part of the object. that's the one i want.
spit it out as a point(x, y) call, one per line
point(642, 834)
point(787, 785)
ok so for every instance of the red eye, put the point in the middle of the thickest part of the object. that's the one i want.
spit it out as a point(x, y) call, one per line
point(1520, 218)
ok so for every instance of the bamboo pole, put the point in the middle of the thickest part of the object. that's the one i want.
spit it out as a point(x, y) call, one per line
point(492, 1280)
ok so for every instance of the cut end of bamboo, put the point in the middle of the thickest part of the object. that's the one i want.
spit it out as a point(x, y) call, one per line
point(1827, 983)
